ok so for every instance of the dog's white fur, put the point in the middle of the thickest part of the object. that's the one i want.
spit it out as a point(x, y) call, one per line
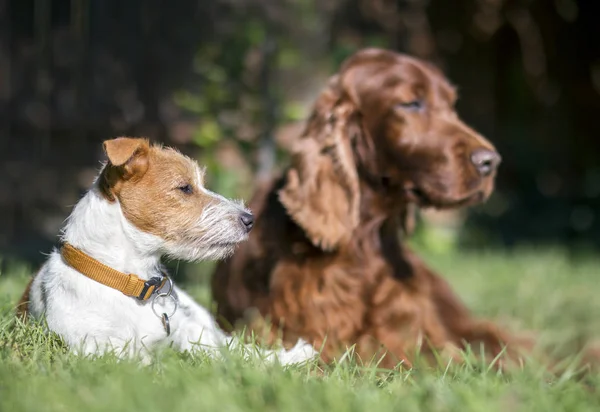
point(93, 318)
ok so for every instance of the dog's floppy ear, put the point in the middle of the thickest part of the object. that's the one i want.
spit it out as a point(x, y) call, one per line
point(128, 154)
point(322, 192)
point(127, 160)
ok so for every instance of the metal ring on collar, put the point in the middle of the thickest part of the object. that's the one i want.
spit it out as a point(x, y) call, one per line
point(165, 295)
point(170, 284)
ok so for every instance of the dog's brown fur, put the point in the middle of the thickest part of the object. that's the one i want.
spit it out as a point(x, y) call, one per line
point(22, 308)
point(325, 261)
point(137, 171)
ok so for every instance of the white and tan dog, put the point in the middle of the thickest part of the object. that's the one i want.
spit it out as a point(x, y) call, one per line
point(105, 289)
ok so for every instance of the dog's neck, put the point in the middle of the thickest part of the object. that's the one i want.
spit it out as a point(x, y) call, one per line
point(377, 205)
point(98, 228)
point(381, 227)
point(374, 214)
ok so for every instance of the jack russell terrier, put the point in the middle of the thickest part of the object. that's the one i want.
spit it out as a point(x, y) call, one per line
point(106, 290)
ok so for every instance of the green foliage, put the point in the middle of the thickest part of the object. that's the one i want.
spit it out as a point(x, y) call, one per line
point(226, 99)
point(529, 289)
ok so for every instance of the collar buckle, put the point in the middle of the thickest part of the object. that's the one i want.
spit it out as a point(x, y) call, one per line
point(150, 286)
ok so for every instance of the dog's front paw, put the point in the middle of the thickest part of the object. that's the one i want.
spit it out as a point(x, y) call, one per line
point(301, 352)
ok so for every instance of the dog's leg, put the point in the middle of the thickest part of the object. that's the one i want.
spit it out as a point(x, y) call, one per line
point(196, 329)
point(301, 352)
point(193, 326)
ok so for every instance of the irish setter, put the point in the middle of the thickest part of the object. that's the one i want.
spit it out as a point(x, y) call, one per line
point(325, 261)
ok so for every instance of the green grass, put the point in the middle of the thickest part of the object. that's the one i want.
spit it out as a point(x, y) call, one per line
point(543, 291)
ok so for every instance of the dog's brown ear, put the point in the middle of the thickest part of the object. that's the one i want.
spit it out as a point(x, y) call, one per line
point(127, 160)
point(322, 192)
point(128, 154)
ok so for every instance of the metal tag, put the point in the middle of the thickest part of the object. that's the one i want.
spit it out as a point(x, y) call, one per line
point(166, 323)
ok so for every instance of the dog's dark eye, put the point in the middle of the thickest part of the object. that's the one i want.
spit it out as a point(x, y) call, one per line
point(414, 106)
point(187, 189)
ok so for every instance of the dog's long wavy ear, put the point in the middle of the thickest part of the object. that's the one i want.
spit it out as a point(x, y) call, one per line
point(322, 192)
point(127, 159)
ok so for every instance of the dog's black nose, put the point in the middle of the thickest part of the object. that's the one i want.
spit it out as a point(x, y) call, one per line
point(247, 220)
point(485, 161)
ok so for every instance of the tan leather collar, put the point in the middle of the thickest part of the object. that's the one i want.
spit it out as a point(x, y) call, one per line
point(128, 284)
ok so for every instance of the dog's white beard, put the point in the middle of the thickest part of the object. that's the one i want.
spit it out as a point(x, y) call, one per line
point(214, 235)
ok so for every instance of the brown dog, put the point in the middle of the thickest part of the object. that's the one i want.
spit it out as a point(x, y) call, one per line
point(325, 261)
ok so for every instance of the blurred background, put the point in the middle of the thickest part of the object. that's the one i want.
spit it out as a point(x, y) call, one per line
point(230, 82)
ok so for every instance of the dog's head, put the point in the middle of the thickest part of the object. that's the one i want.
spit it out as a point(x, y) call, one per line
point(388, 121)
point(161, 192)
